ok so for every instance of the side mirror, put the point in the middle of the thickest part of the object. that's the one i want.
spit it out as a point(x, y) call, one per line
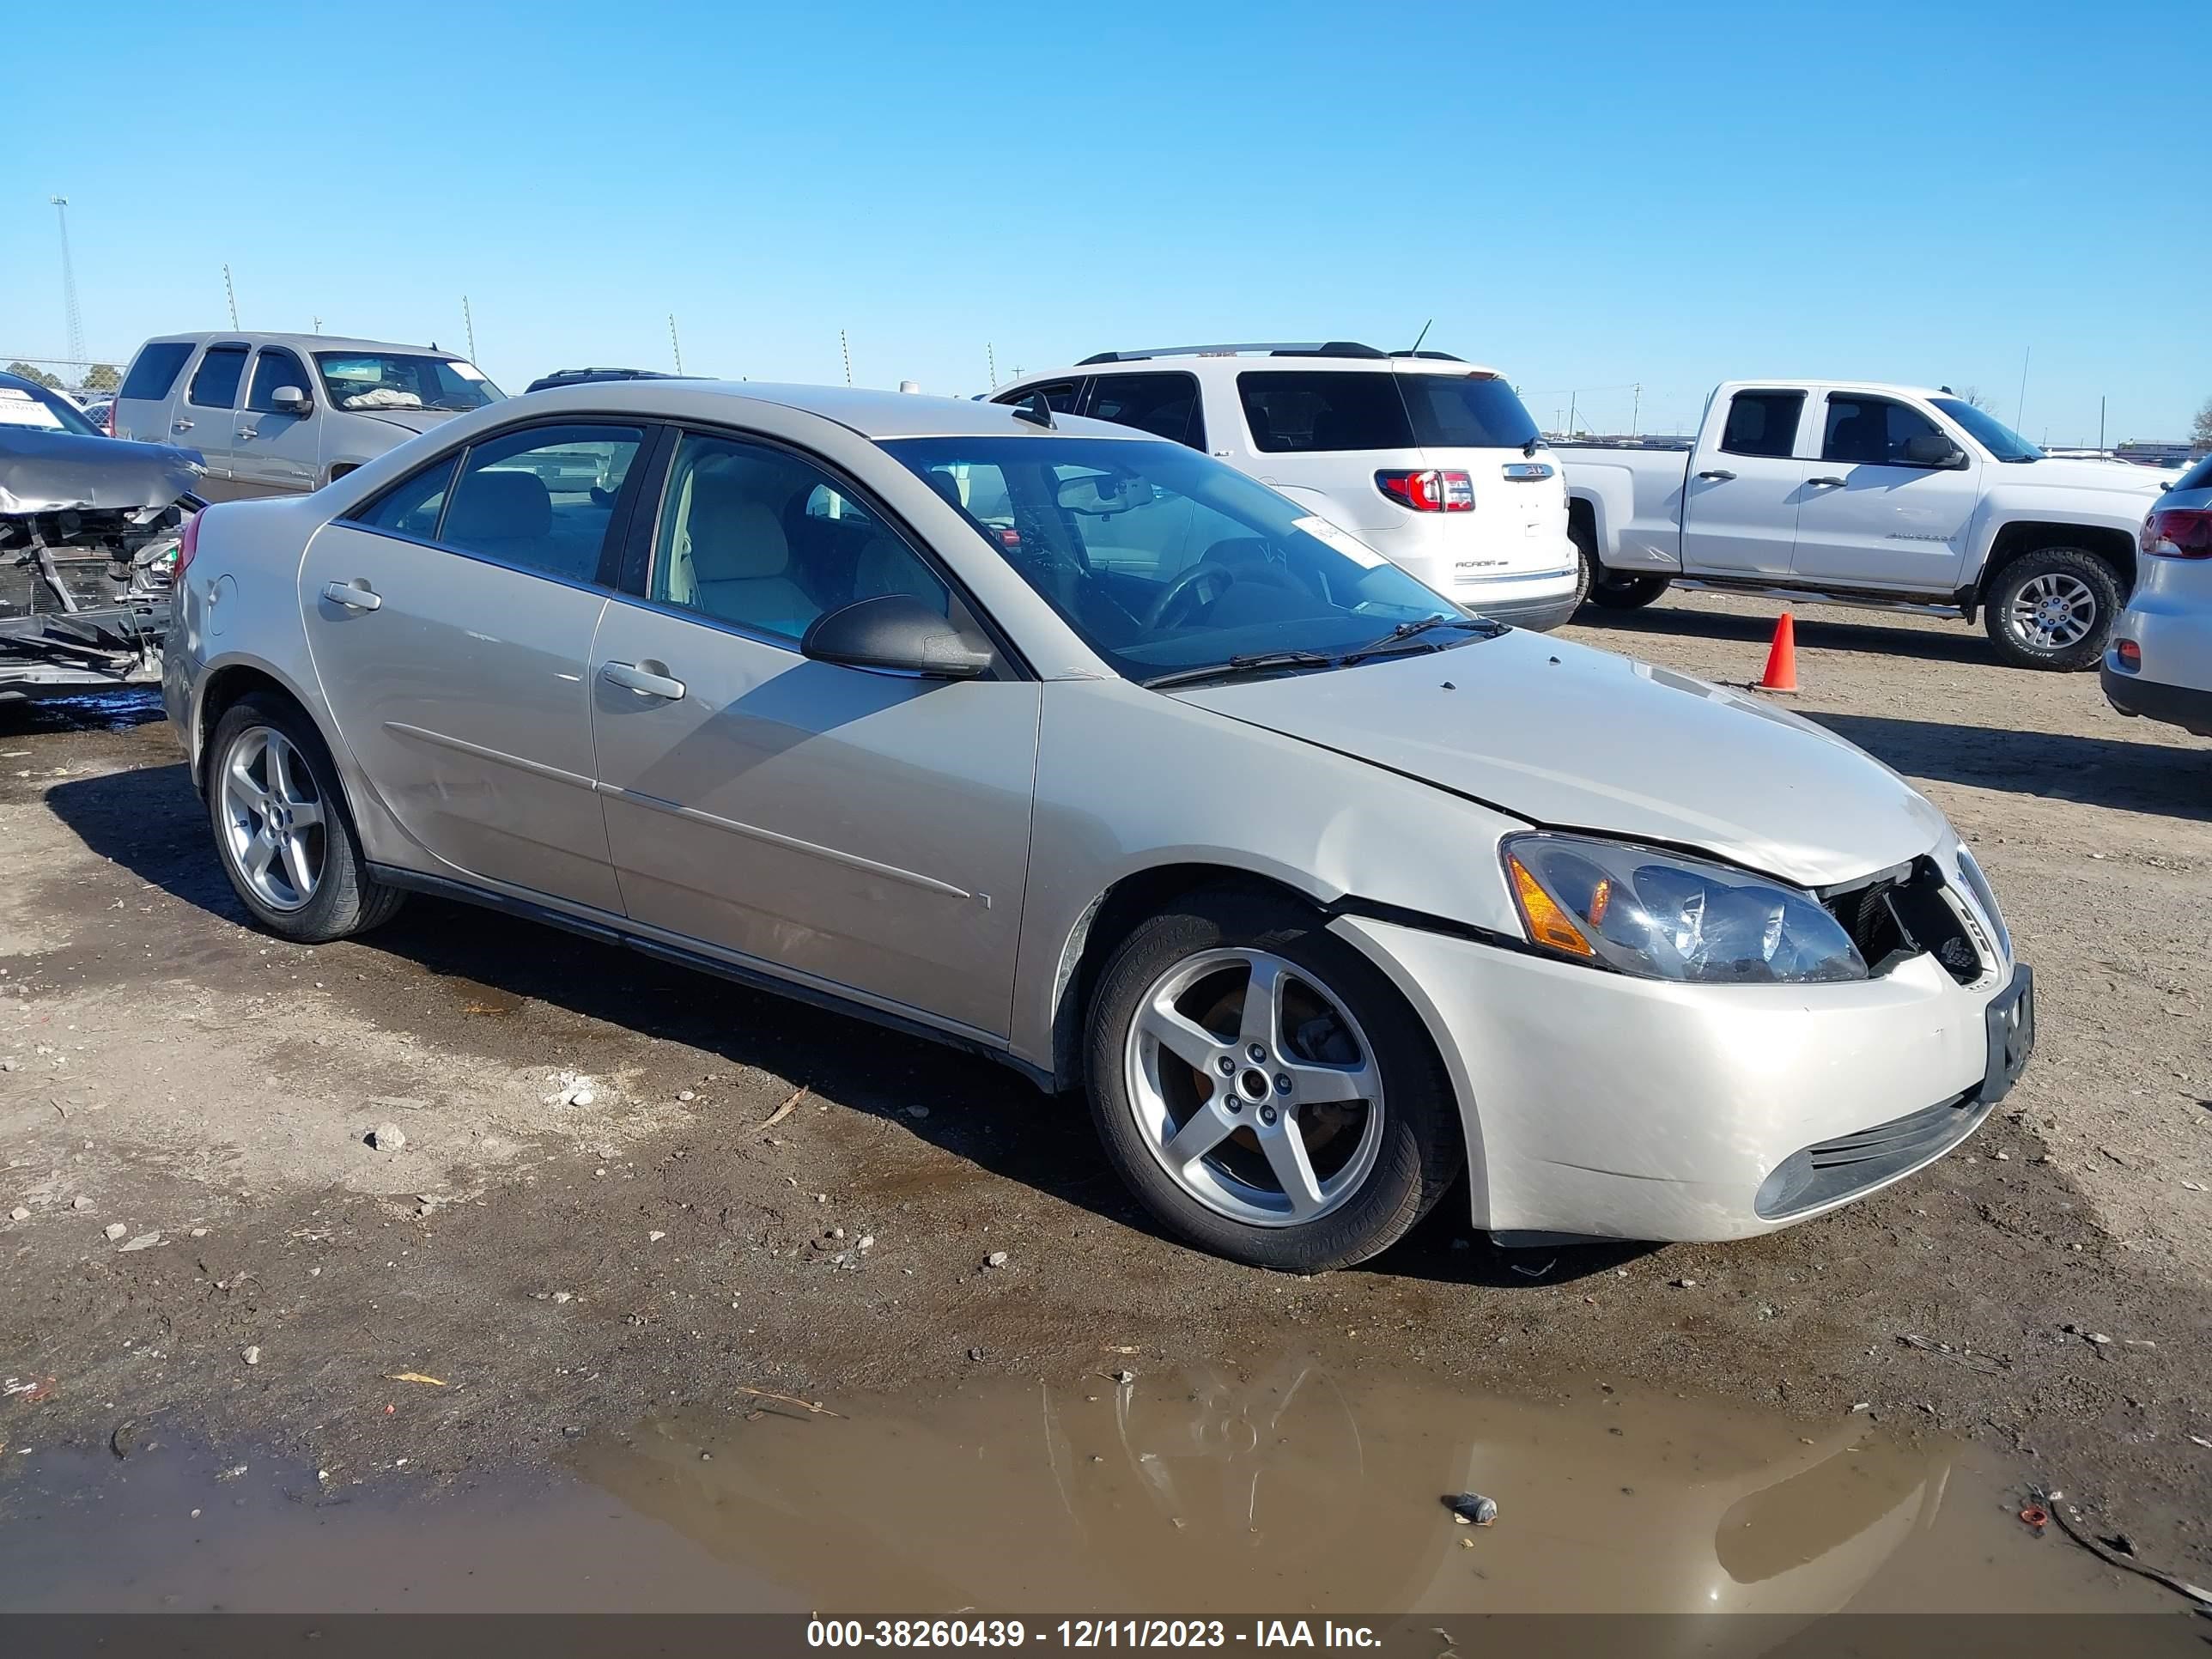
point(290, 400)
point(1934, 449)
point(898, 633)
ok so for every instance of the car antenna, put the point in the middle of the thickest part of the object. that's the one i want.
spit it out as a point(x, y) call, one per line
point(1423, 335)
point(1034, 409)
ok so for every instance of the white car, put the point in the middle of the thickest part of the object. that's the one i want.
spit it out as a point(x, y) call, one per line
point(1431, 461)
point(1892, 496)
point(2160, 661)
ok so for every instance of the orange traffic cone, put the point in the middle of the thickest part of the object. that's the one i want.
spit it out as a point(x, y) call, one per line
point(1782, 659)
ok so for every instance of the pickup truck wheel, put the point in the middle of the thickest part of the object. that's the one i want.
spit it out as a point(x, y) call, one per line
point(1616, 591)
point(2052, 609)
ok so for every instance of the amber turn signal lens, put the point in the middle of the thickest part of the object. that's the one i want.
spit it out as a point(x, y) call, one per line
point(1547, 924)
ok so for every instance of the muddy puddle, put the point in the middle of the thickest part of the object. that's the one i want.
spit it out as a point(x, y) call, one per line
point(1284, 1486)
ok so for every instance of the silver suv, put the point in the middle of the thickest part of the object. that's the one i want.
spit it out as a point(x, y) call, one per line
point(282, 414)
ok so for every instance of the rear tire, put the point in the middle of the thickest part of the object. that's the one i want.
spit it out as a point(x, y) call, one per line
point(1616, 591)
point(1368, 1105)
point(2053, 609)
point(283, 832)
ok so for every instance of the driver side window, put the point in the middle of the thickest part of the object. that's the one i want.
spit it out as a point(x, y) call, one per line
point(1870, 431)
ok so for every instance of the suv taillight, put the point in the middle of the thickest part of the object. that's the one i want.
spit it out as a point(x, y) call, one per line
point(2179, 532)
point(1429, 490)
point(187, 544)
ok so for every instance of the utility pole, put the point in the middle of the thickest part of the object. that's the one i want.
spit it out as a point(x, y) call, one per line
point(469, 324)
point(845, 346)
point(318, 328)
point(991, 361)
point(68, 289)
point(231, 295)
point(675, 344)
point(1635, 409)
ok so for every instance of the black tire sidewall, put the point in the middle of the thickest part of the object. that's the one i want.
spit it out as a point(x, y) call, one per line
point(2101, 579)
point(341, 904)
point(1421, 1154)
point(1617, 591)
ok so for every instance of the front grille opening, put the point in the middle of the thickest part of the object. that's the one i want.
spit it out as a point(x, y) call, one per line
point(1901, 914)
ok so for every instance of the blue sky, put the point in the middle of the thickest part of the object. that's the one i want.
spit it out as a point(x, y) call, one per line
point(1587, 197)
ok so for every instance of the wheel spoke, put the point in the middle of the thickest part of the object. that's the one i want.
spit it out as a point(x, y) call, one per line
point(1262, 1021)
point(1180, 1034)
point(1207, 1127)
point(279, 768)
point(307, 814)
point(1312, 1083)
point(1285, 1147)
point(243, 784)
point(259, 853)
point(297, 869)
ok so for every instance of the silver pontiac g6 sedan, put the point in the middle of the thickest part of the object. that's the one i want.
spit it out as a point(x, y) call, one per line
point(1073, 746)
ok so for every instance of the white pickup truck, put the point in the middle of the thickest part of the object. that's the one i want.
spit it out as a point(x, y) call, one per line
point(1859, 494)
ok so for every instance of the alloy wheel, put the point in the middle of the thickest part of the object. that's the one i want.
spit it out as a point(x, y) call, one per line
point(1254, 1087)
point(2053, 611)
point(272, 818)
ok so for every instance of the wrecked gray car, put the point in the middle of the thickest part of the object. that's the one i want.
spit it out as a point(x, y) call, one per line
point(88, 532)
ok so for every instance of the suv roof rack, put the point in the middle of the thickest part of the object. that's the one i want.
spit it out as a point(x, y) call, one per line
point(1269, 348)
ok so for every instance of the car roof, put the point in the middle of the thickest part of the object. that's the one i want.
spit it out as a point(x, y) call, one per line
point(298, 341)
point(874, 415)
point(1265, 359)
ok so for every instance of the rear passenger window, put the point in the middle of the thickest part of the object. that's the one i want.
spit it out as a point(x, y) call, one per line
point(746, 537)
point(1166, 405)
point(1294, 412)
point(155, 371)
point(412, 507)
point(541, 498)
point(1763, 424)
point(215, 384)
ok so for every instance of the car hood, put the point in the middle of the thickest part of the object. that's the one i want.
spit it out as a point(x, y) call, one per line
point(1570, 737)
point(2065, 472)
point(43, 471)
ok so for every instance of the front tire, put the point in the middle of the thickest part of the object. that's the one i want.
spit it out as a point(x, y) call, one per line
point(282, 830)
point(1615, 590)
point(2053, 609)
point(1264, 1090)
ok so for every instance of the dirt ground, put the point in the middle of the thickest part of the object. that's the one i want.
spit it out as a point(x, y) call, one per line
point(656, 1243)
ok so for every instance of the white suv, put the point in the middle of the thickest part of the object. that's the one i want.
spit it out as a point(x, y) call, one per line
point(1431, 461)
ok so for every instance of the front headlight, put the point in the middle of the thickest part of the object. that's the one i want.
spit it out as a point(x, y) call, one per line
point(1664, 916)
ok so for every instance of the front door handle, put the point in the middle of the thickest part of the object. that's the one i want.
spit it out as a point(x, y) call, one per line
point(642, 678)
point(180, 426)
point(1718, 475)
point(1827, 484)
point(355, 595)
point(245, 432)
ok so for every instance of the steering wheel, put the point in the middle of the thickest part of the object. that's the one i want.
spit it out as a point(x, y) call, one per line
point(1174, 596)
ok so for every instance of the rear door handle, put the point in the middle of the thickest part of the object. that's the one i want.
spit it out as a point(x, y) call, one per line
point(1718, 475)
point(180, 426)
point(640, 678)
point(1827, 484)
point(355, 595)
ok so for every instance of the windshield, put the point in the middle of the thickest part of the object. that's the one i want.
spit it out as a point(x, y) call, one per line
point(35, 406)
point(1992, 434)
point(392, 380)
point(1165, 561)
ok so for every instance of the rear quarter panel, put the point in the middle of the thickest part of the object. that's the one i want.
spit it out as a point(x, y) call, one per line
point(1635, 497)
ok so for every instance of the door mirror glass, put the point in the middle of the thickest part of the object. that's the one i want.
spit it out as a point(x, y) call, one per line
point(290, 400)
point(1933, 449)
point(899, 633)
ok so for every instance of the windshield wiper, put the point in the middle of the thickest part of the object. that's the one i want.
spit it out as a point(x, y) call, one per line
point(1403, 632)
point(1257, 662)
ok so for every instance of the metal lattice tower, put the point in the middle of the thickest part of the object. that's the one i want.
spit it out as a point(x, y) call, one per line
point(68, 289)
